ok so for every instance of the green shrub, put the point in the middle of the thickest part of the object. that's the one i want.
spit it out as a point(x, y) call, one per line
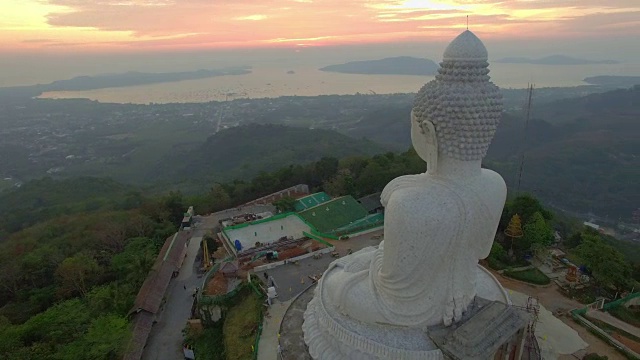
point(533, 276)
point(241, 327)
point(495, 264)
point(209, 344)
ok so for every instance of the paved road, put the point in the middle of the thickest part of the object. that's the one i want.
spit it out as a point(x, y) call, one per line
point(292, 279)
point(165, 340)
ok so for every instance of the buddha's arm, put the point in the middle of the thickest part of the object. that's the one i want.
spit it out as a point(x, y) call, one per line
point(399, 183)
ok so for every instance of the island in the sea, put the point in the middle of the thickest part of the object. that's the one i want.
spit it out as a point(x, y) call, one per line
point(613, 81)
point(402, 65)
point(132, 78)
point(554, 60)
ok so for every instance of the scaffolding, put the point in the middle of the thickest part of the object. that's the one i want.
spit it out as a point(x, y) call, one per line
point(531, 349)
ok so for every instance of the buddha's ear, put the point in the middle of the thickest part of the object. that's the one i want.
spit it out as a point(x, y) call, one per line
point(429, 132)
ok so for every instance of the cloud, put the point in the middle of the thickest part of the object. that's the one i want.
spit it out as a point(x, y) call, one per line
point(255, 17)
point(207, 23)
point(37, 41)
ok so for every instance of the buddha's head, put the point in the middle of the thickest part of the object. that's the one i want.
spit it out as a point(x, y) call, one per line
point(456, 114)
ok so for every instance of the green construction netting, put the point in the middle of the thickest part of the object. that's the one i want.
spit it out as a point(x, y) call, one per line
point(312, 200)
point(335, 214)
point(362, 224)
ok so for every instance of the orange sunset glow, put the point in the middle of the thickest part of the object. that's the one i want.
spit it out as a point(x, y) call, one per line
point(66, 25)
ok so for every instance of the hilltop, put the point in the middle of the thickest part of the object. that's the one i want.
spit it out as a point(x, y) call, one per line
point(580, 154)
point(244, 151)
point(402, 65)
point(553, 60)
point(171, 146)
point(612, 80)
point(130, 78)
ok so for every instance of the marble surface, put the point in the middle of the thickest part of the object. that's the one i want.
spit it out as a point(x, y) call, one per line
point(380, 301)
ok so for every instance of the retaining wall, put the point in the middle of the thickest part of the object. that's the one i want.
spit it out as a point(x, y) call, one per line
point(278, 263)
point(602, 334)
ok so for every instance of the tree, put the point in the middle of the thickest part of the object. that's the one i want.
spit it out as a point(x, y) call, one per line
point(59, 324)
point(112, 235)
point(538, 232)
point(340, 184)
point(574, 240)
point(607, 265)
point(174, 203)
point(325, 168)
point(134, 262)
point(514, 229)
point(76, 274)
point(105, 339)
point(220, 197)
point(636, 272)
point(285, 204)
point(116, 297)
point(524, 205)
point(372, 179)
point(212, 244)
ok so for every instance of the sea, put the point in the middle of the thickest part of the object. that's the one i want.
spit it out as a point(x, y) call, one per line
point(275, 81)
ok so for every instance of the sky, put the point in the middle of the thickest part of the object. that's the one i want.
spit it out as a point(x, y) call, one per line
point(85, 26)
point(46, 40)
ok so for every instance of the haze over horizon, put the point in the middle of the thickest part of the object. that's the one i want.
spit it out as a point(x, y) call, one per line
point(78, 37)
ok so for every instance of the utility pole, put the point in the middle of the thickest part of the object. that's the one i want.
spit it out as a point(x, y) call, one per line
point(524, 135)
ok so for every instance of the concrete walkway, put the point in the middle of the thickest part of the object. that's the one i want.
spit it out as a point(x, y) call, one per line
point(613, 321)
point(186, 272)
point(268, 345)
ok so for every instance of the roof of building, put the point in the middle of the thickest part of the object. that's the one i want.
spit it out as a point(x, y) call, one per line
point(310, 201)
point(371, 202)
point(155, 285)
point(591, 225)
point(152, 291)
point(142, 324)
point(334, 214)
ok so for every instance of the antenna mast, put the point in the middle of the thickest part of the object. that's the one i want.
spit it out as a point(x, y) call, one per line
point(524, 135)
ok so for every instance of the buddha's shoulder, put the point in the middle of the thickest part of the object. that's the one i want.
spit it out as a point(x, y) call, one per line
point(493, 180)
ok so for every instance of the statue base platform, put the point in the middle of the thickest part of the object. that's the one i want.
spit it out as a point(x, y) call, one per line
point(331, 335)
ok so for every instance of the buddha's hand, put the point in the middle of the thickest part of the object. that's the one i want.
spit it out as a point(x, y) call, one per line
point(455, 309)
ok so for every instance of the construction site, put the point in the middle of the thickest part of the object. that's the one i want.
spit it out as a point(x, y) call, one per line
point(278, 258)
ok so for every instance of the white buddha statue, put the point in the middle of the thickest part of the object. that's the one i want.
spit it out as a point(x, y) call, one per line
point(437, 225)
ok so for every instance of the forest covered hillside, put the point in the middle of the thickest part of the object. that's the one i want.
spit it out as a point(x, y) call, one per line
point(244, 151)
point(581, 154)
point(69, 279)
point(45, 198)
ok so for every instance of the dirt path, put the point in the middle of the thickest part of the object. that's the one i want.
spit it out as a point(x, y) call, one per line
point(633, 345)
point(551, 298)
point(596, 345)
point(613, 321)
